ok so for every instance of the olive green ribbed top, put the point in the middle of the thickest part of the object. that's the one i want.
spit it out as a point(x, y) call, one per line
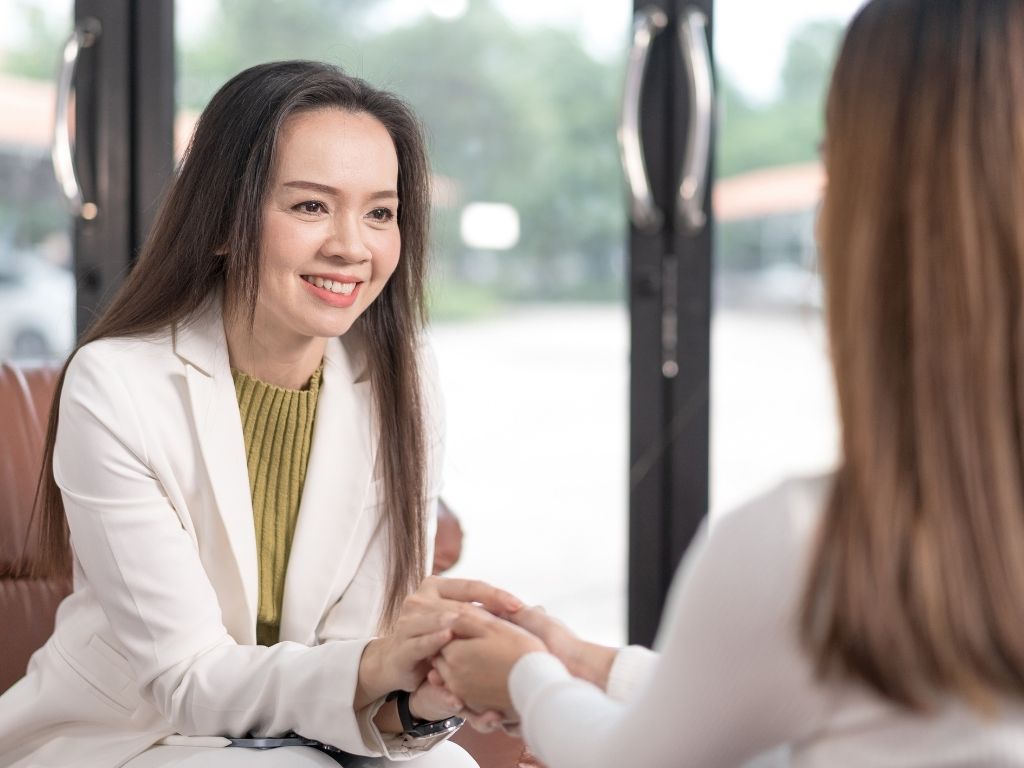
point(277, 425)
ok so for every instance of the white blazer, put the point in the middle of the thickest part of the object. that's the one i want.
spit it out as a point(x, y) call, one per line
point(157, 637)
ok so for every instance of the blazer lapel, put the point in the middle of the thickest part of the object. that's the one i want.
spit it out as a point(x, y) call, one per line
point(218, 431)
point(337, 479)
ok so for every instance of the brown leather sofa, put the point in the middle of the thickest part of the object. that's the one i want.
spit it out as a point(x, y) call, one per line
point(28, 605)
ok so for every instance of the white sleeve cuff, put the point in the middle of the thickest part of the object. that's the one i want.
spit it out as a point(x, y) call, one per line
point(631, 666)
point(394, 746)
point(375, 741)
point(530, 673)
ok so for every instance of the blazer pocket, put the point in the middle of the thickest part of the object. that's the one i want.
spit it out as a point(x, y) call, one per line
point(105, 671)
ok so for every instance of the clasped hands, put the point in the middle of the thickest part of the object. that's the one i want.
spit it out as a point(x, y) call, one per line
point(453, 646)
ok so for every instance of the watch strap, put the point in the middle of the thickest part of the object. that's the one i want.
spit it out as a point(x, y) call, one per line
point(404, 714)
point(416, 728)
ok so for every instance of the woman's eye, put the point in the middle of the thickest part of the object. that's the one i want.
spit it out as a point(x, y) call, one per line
point(382, 215)
point(311, 207)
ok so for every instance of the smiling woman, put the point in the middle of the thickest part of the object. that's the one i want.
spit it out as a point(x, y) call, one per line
point(245, 450)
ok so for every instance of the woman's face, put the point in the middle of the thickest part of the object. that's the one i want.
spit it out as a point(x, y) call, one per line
point(330, 226)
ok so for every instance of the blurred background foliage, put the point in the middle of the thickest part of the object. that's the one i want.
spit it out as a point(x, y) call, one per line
point(521, 115)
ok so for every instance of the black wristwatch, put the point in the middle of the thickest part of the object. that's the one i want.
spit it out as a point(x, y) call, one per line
point(413, 726)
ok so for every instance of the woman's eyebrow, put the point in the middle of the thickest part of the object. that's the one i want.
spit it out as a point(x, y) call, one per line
point(384, 194)
point(312, 185)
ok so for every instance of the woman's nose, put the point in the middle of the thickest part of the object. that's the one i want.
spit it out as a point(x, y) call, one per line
point(345, 240)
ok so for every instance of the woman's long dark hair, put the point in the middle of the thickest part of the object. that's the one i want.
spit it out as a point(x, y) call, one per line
point(207, 237)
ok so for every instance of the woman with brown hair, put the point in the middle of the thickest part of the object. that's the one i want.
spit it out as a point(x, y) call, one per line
point(876, 617)
point(246, 450)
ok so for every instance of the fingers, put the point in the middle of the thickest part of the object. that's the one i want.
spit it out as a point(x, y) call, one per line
point(430, 702)
point(495, 600)
point(534, 620)
point(485, 722)
point(472, 623)
point(513, 728)
point(450, 701)
point(434, 678)
point(441, 665)
point(421, 617)
point(428, 646)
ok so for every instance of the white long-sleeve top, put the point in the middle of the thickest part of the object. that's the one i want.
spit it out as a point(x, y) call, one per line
point(731, 679)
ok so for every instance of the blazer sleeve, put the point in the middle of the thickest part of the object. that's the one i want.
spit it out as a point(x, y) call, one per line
point(143, 567)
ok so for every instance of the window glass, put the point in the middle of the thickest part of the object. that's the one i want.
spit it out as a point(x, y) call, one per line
point(773, 408)
point(37, 294)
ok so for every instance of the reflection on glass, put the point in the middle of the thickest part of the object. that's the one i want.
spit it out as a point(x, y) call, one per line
point(36, 285)
point(520, 102)
point(773, 410)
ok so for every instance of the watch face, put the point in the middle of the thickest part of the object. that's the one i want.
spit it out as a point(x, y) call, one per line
point(435, 727)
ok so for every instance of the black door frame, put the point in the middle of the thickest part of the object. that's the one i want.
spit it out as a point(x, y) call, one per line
point(670, 308)
point(124, 153)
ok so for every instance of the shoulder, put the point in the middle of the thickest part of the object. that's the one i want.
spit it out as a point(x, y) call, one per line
point(754, 559)
point(124, 353)
point(779, 522)
point(124, 349)
point(127, 359)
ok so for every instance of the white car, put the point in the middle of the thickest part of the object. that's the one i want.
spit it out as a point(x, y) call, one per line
point(37, 310)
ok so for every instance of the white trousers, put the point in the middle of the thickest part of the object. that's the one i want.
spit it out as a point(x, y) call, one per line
point(446, 755)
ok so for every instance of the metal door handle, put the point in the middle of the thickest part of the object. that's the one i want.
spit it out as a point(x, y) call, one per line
point(693, 45)
point(63, 150)
point(643, 211)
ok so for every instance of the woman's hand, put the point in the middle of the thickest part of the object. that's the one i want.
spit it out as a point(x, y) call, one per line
point(434, 702)
point(431, 701)
point(588, 661)
point(475, 666)
point(401, 660)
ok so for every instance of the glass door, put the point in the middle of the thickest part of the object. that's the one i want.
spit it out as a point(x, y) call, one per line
point(37, 293)
point(724, 185)
point(520, 100)
point(773, 410)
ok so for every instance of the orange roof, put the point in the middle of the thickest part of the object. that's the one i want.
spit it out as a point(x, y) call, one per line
point(785, 189)
point(27, 107)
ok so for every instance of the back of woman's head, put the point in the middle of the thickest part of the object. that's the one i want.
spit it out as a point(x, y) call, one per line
point(918, 583)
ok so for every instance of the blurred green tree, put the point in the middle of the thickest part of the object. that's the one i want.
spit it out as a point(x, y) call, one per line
point(34, 52)
point(516, 115)
point(789, 128)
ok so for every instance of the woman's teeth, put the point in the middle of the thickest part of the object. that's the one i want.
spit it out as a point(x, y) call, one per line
point(330, 285)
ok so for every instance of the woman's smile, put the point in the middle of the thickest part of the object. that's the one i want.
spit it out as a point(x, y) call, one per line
point(341, 293)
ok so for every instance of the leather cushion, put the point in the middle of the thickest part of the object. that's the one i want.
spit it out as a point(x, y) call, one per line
point(27, 607)
point(25, 395)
